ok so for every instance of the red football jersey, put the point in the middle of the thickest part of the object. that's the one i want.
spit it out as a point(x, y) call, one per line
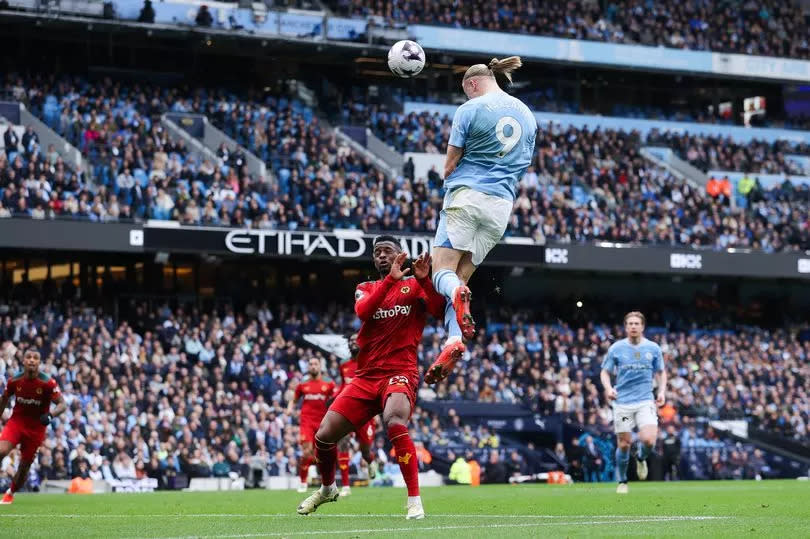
point(348, 371)
point(315, 394)
point(33, 397)
point(393, 314)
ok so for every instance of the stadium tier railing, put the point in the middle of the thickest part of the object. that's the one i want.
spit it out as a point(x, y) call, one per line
point(196, 147)
point(389, 170)
point(666, 158)
point(198, 126)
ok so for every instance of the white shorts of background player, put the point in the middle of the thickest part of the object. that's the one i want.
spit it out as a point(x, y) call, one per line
point(627, 417)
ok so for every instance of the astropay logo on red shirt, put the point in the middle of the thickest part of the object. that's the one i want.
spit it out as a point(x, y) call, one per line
point(396, 310)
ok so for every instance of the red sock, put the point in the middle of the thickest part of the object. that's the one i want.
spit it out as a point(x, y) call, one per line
point(406, 457)
point(303, 468)
point(13, 487)
point(343, 464)
point(326, 458)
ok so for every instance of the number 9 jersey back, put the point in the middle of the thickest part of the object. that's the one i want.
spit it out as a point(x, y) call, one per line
point(497, 132)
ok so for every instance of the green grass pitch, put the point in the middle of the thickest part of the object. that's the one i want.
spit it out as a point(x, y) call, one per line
point(713, 509)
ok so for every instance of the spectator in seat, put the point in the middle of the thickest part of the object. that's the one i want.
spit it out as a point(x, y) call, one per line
point(204, 17)
point(10, 140)
point(559, 452)
point(147, 12)
point(123, 466)
point(592, 461)
point(495, 471)
point(516, 465)
point(671, 454)
point(460, 473)
point(221, 468)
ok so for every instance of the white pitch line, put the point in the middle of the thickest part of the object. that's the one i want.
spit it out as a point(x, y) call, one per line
point(340, 515)
point(417, 528)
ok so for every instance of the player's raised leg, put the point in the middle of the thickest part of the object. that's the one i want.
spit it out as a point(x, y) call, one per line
point(17, 482)
point(5, 448)
point(647, 436)
point(333, 427)
point(365, 439)
point(458, 321)
point(396, 414)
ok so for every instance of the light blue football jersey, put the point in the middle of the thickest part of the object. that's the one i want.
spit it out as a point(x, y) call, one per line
point(497, 132)
point(634, 366)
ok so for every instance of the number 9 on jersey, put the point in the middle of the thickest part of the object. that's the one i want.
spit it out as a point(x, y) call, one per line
point(509, 141)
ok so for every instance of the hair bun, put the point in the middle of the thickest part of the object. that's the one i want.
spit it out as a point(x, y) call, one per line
point(493, 63)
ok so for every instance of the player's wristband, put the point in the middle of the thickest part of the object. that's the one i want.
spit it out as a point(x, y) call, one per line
point(45, 419)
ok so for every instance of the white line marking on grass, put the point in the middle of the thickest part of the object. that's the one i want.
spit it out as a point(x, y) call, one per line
point(339, 515)
point(417, 528)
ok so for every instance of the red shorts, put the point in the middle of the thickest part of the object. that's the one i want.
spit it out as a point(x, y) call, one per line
point(365, 434)
point(307, 430)
point(28, 436)
point(365, 398)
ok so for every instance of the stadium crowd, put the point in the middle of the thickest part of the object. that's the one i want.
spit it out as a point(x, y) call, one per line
point(584, 185)
point(179, 392)
point(766, 28)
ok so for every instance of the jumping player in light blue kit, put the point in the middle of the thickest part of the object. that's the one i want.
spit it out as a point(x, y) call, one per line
point(636, 362)
point(491, 146)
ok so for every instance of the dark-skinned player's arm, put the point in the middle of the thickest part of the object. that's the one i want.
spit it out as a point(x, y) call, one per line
point(365, 305)
point(61, 406)
point(4, 401)
point(434, 302)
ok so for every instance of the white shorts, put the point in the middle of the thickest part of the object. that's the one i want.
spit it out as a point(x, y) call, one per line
point(472, 221)
point(626, 417)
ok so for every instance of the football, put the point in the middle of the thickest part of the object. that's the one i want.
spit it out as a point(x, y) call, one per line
point(406, 58)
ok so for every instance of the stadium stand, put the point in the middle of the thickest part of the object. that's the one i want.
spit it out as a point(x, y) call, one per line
point(769, 28)
point(202, 393)
point(572, 194)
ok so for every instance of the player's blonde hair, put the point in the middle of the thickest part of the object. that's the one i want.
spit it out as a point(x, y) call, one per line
point(496, 69)
point(637, 314)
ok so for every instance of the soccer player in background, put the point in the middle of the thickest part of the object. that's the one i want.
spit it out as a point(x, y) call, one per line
point(364, 435)
point(393, 311)
point(491, 145)
point(314, 391)
point(636, 361)
point(33, 392)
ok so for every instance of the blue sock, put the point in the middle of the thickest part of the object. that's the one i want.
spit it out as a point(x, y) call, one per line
point(643, 451)
point(450, 321)
point(445, 281)
point(622, 458)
